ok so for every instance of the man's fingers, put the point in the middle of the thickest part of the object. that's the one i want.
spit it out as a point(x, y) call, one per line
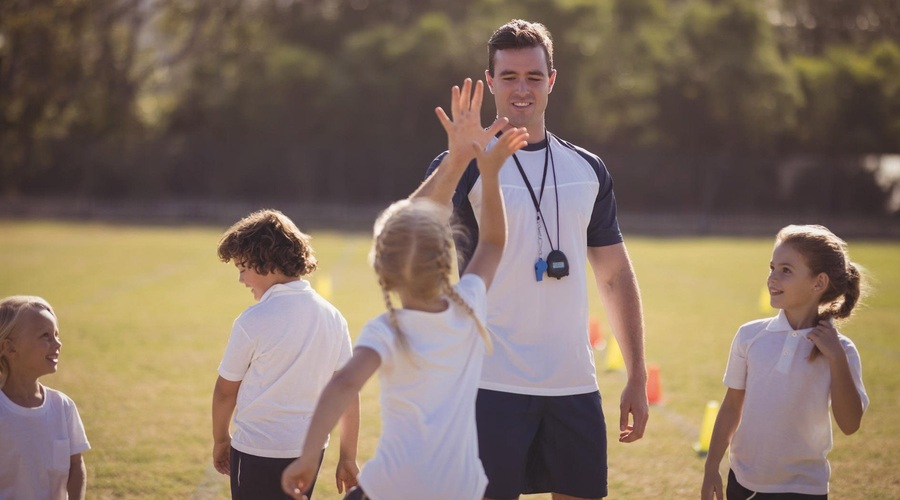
point(444, 119)
point(623, 419)
point(495, 127)
point(465, 99)
point(477, 96)
point(454, 101)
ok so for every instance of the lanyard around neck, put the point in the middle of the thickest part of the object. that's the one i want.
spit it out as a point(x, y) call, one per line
point(548, 155)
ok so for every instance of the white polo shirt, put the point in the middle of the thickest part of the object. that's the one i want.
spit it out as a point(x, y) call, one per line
point(785, 431)
point(283, 350)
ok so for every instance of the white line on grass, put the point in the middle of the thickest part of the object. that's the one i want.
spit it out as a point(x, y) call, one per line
point(209, 486)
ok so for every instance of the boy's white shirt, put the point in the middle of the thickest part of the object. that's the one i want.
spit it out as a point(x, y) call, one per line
point(429, 444)
point(36, 446)
point(284, 351)
point(785, 431)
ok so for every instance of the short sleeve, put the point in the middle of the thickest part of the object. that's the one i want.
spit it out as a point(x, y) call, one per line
point(378, 336)
point(238, 354)
point(856, 370)
point(346, 351)
point(603, 228)
point(736, 371)
point(78, 441)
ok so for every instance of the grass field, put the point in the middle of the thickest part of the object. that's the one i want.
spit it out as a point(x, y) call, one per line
point(145, 313)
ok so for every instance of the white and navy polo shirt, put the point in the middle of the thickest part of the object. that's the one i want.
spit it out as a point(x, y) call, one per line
point(541, 344)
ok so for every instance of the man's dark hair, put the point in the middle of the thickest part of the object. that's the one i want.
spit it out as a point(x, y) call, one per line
point(519, 34)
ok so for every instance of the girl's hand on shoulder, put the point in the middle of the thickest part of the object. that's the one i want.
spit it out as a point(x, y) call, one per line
point(825, 337)
point(490, 161)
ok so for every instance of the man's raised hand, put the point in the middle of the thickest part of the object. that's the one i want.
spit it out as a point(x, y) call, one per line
point(463, 127)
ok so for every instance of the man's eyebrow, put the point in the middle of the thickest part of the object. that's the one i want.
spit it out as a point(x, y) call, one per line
point(528, 73)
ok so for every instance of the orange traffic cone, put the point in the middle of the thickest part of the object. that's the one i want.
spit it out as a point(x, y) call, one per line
point(654, 390)
point(596, 335)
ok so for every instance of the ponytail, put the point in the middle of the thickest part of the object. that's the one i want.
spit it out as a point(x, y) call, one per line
point(392, 315)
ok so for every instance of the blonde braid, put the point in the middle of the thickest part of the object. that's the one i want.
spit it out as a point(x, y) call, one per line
point(458, 300)
point(392, 314)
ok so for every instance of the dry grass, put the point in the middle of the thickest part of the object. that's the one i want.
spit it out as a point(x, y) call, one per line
point(145, 314)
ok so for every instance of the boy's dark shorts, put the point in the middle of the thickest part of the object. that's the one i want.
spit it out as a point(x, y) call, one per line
point(737, 491)
point(542, 444)
point(259, 478)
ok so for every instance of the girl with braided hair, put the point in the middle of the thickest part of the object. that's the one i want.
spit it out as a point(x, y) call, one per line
point(428, 352)
point(785, 372)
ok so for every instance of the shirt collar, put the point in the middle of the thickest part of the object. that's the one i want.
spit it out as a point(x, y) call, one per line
point(780, 324)
point(300, 285)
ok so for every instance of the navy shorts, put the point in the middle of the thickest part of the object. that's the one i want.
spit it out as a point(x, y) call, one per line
point(542, 444)
point(259, 478)
point(737, 491)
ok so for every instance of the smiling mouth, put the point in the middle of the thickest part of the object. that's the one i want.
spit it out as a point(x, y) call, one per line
point(521, 104)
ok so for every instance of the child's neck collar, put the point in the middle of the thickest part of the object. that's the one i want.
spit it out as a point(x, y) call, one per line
point(24, 393)
point(414, 303)
point(800, 320)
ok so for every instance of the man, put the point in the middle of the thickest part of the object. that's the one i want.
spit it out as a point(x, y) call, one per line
point(540, 422)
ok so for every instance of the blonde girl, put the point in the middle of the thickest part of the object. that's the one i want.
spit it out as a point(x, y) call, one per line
point(428, 352)
point(784, 373)
point(41, 435)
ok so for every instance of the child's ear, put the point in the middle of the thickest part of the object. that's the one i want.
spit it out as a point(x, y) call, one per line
point(6, 346)
point(821, 283)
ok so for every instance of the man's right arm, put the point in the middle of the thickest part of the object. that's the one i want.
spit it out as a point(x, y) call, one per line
point(441, 180)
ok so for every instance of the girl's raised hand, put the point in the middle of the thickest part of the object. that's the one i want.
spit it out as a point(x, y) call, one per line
point(463, 127)
point(825, 337)
point(490, 161)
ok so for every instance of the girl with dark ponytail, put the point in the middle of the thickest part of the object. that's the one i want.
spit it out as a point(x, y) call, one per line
point(786, 375)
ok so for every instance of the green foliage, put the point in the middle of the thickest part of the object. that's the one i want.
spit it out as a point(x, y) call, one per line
point(728, 80)
point(288, 99)
point(853, 99)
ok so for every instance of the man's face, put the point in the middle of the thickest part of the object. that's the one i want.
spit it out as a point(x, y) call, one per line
point(521, 87)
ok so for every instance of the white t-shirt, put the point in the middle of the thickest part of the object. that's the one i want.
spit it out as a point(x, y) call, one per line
point(785, 430)
point(283, 350)
point(36, 446)
point(541, 345)
point(429, 445)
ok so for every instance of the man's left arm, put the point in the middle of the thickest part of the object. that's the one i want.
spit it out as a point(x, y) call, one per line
point(621, 298)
